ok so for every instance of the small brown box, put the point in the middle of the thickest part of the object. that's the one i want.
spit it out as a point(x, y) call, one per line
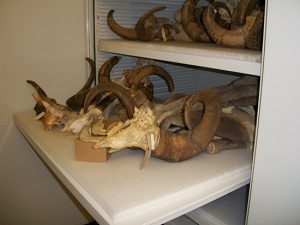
point(84, 151)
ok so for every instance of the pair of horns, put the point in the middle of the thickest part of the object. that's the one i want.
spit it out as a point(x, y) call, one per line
point(140, 32)
point(105, 84)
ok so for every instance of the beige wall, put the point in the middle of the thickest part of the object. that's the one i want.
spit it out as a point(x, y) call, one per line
point(43, 41)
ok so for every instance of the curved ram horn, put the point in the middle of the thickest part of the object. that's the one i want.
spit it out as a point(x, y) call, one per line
point(219, 19)
point(195, 30)
point(152, 70)
point(126, 33)
point(76, 101)
point(106, 101)
point(121, 92)
point(146, 33)
point(104, 72)
point(230, 38)
point(243, 9)
point(177, 147)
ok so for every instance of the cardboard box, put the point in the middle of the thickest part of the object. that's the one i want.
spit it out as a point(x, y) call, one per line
point(84, 151)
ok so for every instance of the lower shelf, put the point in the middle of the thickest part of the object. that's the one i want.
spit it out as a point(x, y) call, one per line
point(118, 192)
point(227, 210)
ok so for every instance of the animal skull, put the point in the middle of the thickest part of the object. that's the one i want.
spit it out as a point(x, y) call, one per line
point(141, 131)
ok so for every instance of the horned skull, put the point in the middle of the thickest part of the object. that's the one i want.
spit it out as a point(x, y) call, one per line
point(141, 131)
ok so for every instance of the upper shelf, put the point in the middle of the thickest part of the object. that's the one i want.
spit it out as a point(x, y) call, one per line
point(197, 54)
point(119, 193)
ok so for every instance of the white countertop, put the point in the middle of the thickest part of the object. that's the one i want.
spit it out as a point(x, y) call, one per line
point(117, 192)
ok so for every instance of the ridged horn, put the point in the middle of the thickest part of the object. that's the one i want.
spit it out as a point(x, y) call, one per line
point(242, 10)
point(104, 72)
point(122, 94)
point(76, 101)
point(230, 38)
point(146, 33)
point(195, 30)
point(253, 40)
point(177, 147)
point(126, 33)
point(153, 70)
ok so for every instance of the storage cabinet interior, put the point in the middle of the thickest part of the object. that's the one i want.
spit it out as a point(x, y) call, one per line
point(205, 55)
point(220, 65)
point(118, 192)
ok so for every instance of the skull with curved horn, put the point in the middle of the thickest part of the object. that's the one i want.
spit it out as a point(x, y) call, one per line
point(148, 28)
point(56, 114)
point(145, 130)
point(142, 131)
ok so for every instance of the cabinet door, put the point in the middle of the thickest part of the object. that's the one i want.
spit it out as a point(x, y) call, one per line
point(275, 196)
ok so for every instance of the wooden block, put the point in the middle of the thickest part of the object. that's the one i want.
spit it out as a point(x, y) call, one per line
point(84, 151)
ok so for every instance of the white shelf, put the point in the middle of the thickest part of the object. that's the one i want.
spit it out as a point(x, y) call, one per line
point(227, 210)
point(197, 54)
point(118, 192)
point(181, 220)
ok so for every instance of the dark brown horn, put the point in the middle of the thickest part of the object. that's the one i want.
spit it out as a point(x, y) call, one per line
point(92, 76)
point(235, 130)
point(146, 33)
point(152, 70)
point(230, 38)
point(195, 30)
point(39, 108)
point(177, 147)
point(246, 95)
point(121, 92)
point(126, 33)
point(37, 87)
point(221, 5)
point(254, 38)
point(240, 92)
point(104, 72)
point(106, 101)
point(240, 13)
point(76, 101)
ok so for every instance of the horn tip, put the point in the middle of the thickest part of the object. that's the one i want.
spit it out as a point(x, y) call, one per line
point(111, 12)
